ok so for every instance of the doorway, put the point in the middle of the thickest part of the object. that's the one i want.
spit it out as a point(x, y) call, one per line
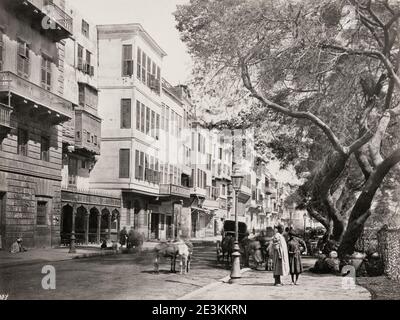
point(155, 222)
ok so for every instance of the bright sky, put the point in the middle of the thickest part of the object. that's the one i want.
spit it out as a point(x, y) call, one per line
point(156, 18)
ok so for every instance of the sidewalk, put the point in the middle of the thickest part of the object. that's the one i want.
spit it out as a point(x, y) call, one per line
point(258, 285)
point(31, 256)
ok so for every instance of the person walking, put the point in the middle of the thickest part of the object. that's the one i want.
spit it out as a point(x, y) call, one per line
point(123, 236)
point(279, 254)
point(295, 250)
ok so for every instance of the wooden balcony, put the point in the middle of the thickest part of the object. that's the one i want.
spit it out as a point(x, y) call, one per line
point(174, 190)
point(44, 16)
point(26, 96)
point(87, 132)
point(5, 116)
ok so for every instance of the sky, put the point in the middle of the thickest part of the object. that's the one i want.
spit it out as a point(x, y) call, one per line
point(156, 18)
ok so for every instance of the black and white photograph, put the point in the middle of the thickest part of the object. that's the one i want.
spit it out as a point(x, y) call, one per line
point(199, 155)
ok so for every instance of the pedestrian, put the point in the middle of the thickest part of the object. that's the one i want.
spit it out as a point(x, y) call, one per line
point(279, 254)
point(17, 247)
point(104, 244)
point(123, 236)
point(295, 246)
point(286, 234)
point(131, 238)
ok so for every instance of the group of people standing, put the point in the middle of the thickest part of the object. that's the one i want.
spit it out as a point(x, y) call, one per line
point(285, 251)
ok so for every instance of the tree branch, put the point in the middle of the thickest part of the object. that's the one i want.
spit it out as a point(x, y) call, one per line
point(294, 114)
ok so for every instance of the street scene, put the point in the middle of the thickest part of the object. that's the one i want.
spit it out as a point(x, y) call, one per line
point(199, 150)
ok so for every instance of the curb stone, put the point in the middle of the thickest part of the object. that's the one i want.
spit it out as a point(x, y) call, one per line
point(210, 286)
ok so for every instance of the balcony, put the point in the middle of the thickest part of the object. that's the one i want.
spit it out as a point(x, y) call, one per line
point(199, 192)
point(45, 16)
point(87, 132)
point(174, 190)
point(5, 117)
point(42, 104)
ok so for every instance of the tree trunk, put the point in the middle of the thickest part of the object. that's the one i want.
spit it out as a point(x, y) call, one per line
point(361, 210)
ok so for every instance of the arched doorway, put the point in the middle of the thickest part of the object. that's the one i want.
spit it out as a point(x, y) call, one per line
point(66, 224)
point(93, 225)
point(105, 225)
point(80, 225)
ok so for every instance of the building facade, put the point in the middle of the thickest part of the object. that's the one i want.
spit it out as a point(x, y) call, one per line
point(49, 126)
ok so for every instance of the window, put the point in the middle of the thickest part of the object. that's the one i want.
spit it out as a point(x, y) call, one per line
point(137, 115)
point(95, 140)
point(142, 116)
point(22, 142)
point(23, 62)
point(220, 154)
point(146, 167)
point(41, 213)
point(78, 135)
point(124, 157)
point(45, 149)
point(46, 73)
point(147, 120)
point(157, 126)
point(153, 124)
point(89, 68)
point(125, 113)
point(144, 59)
point(80, 58)
point(1, 50)
point(127, 61)
point(72, 170)
point(141, 167)
point(137, 165)
point(85, 28)
point(88, 136)
point(139, 63)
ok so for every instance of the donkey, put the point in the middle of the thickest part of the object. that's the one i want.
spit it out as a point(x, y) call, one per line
point(173, 250)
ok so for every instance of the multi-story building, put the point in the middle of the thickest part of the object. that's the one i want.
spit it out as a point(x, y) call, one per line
point(50, 129)
point(32, 111)
point(92, 214)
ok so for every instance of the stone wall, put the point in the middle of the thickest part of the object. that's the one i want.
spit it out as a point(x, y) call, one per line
point(389, 247)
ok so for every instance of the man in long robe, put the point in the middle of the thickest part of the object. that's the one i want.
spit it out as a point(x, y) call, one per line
point(280, 257)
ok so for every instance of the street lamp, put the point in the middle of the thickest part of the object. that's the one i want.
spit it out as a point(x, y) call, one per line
point(237, 180)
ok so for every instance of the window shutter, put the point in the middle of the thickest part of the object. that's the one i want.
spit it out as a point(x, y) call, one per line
point(137, 164)
point(124, 157)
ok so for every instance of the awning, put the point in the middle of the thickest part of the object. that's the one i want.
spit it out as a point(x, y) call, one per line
point(203, 211)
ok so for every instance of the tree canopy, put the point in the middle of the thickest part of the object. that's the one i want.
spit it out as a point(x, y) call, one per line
point(324, 74)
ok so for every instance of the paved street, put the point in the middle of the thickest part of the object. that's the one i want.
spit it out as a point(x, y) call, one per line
point(123, 276)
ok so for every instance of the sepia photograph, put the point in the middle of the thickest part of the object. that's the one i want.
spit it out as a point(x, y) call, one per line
point(199, 155)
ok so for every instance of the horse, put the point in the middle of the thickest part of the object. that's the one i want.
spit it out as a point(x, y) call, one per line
point(172, 250)
point(227, 248)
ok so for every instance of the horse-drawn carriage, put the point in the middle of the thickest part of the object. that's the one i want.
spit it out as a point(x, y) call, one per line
point(225, 246)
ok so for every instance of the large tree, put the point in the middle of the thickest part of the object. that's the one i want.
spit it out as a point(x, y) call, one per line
point(325, 65)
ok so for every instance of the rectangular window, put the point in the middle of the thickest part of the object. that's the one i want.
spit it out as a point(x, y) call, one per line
point(167, 119)
point(72, 170)
point(156, 172)
point(153, 124)
point(124, 158)
point(23, 61)
point(80, 58)
point(125, 113)
point(137, 115)
point(46, 73)
point(149, 72)
point(88, 136)
point(85, 28)
point(157, 126)
point(127, 61)
point(141, 167)
point(137, 164)
point(139, 63)
point(45, 149)
point(142, 117)
point(147, 120)
point(151, 171)
point(146, 167)
point(95, 140)
point(22, 142)
point(41, 213)
point(144, 59)
point(89, 69)
point(1, 50)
